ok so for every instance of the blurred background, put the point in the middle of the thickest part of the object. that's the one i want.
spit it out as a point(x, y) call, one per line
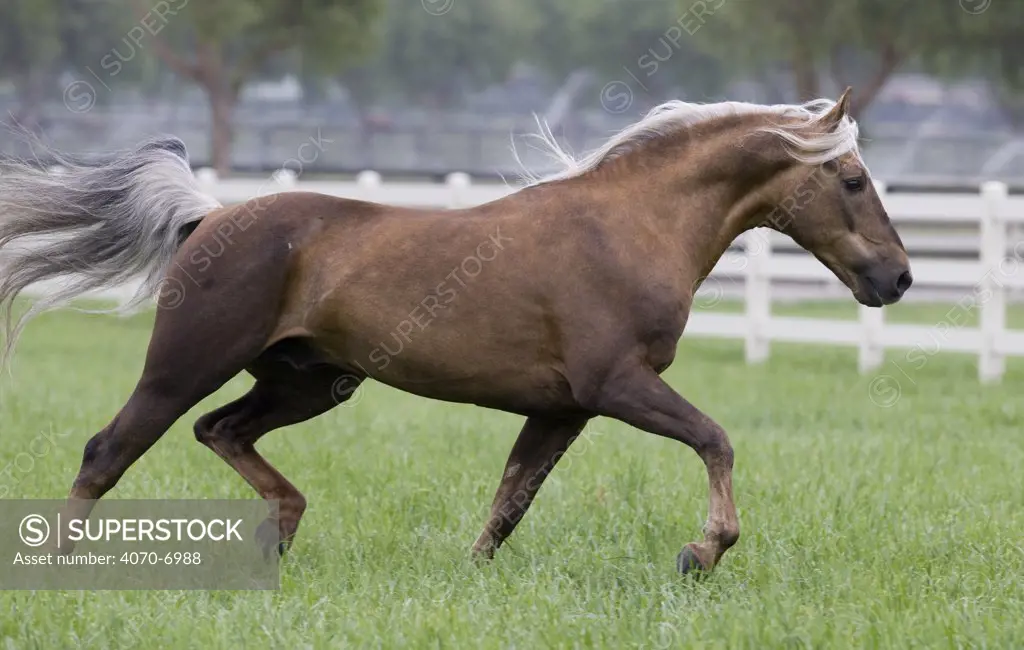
point(426, 87)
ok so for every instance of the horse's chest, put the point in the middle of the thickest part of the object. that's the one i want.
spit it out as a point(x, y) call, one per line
point(660, 325)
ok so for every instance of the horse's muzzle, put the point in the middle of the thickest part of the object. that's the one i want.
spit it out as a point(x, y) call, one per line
point(885, 285)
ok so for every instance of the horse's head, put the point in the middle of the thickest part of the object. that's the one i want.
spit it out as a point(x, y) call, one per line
point(829, 206)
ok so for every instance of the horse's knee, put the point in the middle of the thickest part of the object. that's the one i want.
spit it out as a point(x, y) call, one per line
point(296, 503)
point(718, 449)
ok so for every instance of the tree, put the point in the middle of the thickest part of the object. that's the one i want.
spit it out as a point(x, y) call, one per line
point(634, 41)
point(990, 45)
point(233, 39)
point(431, 53)
point(862, 44)
point(29, 48)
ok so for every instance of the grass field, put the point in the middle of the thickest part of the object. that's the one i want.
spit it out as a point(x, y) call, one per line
point(863, 526)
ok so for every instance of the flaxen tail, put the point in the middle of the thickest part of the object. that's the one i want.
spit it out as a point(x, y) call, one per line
point(93, 226)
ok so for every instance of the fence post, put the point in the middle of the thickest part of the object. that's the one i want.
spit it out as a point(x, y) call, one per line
point(457, 183)
point(991, 362)
point(758, 249)
point(369, 185)
point(207, 179)
point(872, 351)
point(286, 178)
point(881, 189)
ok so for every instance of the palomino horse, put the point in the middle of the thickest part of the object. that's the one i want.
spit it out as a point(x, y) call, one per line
point(560, 302)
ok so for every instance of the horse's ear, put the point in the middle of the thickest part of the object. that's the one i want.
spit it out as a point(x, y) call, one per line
point(842, 108)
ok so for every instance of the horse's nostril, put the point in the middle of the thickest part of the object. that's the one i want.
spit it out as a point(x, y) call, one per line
point(903, 282)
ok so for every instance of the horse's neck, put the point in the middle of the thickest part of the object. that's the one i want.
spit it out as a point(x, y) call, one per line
point(680, 199)
point(686, 212)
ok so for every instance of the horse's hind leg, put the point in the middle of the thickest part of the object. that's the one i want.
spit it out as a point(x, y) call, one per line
point(183, 366)
point(173, 381)
point(279, 398)
point(541, 443)
point(216, 329)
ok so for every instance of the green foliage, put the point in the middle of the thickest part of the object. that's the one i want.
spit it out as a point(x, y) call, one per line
point(650, 40)
point(432, 51)
point(97, 35)
point(989, 45)
point(472, 44)
point(433, 56)
point(233, 40)
point(854, 43)
point(762, 33)
point(244, 34)
point(28, 35)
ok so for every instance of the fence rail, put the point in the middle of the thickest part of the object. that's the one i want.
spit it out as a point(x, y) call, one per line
point(763, 258)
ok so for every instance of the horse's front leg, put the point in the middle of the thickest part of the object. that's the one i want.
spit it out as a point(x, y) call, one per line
point(637, 396)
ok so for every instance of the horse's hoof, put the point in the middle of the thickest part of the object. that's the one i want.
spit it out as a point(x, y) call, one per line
point(483, 549)
point(268, 537)
point(688, 562)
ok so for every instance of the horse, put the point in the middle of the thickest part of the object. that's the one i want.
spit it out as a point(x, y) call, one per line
point(560, 302)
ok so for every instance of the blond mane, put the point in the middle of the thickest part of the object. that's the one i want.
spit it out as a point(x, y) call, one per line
point(806, 145)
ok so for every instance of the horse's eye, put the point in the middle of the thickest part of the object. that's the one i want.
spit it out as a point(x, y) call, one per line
point(853, 184)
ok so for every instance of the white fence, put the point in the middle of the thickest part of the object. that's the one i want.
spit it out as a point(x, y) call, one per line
point(759, 264)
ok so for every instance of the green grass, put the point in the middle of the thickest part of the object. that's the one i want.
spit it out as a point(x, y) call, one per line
point(862, 526)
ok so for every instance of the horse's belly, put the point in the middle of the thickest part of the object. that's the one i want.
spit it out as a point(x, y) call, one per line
point(524, 390)
point(495, 353)
point(509, 380)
